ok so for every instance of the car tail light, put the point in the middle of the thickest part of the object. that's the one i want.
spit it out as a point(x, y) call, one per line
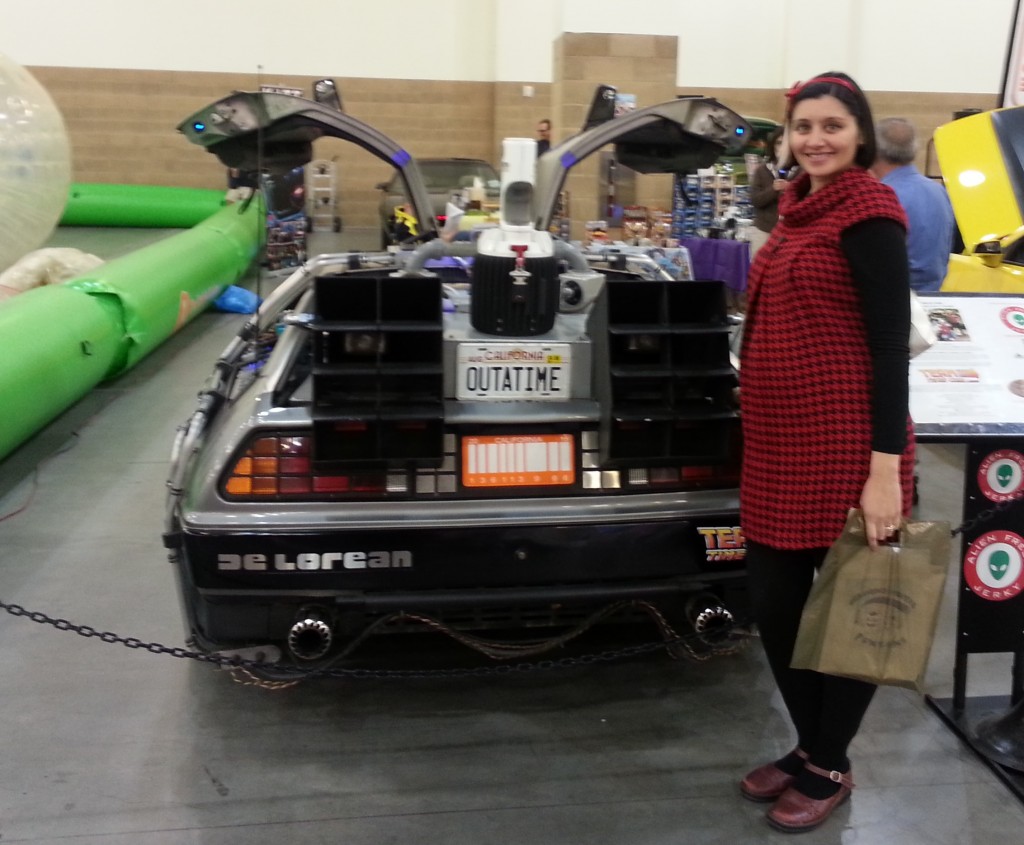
point(279, 467)
point(682, 477)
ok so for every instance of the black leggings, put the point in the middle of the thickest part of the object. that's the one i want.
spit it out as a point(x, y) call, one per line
point(826, 710)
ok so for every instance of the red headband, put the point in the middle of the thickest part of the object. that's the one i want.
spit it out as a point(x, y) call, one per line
point(830, 80)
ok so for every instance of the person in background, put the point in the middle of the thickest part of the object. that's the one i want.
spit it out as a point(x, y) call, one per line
point(834, 267)
point(931, 226)
point(543, 136)
point(766, 186)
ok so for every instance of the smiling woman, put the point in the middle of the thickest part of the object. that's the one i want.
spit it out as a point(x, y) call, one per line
point(834, 266)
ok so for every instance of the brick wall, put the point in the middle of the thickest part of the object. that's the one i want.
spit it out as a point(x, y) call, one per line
point(122, 123)
point(122, 126)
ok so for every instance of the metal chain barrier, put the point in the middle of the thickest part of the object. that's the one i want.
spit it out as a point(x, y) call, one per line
point(986, 515)
point(255, 672)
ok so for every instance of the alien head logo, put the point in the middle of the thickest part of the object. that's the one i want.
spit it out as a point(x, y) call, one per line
point(1004, 474)
point(999, 564)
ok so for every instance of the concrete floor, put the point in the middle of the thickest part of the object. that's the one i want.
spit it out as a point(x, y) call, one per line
point(109, 746)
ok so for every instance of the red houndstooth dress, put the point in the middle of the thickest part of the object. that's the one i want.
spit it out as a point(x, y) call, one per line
point(806, 376)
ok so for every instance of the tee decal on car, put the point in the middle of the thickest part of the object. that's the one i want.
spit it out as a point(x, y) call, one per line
point(723, 543)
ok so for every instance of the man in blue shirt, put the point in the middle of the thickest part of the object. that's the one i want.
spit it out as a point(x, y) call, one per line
point(931, 224)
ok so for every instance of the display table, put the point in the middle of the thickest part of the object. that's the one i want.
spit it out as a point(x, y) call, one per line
point(721, 259)
point(967, 390)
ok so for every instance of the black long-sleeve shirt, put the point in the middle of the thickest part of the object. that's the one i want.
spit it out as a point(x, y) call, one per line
point(876, 250)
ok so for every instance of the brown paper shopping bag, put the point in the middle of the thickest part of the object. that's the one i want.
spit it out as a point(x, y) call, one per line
point(872, 614)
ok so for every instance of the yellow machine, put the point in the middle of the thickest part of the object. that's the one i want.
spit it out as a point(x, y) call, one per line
point(982, 161)
point(405, 222)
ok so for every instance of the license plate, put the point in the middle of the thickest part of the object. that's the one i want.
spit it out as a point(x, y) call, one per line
point(522, 460)
point(496, 371)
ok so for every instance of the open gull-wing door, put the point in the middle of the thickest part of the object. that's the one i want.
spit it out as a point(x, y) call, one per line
point(602, 107)
point(275, 132)
point(982, 162)
point(677, 136)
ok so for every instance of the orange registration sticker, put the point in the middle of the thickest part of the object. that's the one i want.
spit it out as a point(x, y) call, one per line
point(518, 460)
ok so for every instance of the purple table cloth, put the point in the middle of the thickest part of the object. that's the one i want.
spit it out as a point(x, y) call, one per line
point(725, 260)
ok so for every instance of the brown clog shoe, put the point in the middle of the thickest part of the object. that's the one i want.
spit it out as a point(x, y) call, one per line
point(794, 812)
point(768, 782)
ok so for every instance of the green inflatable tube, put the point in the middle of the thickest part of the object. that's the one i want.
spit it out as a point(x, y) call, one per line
point(139, 206)
point(60, 341)
point(158, 289)
point(58, 344)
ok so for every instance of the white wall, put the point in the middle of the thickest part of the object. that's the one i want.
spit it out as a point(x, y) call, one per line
point(920, 45)
point(525, 32)
point(438, 39)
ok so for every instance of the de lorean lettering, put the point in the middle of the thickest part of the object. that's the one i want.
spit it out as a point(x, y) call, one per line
point(313, 561)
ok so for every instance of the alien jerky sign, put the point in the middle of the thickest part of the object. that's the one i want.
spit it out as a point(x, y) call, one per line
point(1001, 475)
point(993, 565)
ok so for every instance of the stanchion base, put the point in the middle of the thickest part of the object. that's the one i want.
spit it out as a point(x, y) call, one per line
point(962, 724)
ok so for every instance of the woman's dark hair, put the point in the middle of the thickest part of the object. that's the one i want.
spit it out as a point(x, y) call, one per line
point(836, 84)
point(770, 141)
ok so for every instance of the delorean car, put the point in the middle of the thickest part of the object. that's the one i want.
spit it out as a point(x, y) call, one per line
point(507, 451)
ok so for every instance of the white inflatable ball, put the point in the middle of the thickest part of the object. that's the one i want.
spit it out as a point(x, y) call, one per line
point(35, 163)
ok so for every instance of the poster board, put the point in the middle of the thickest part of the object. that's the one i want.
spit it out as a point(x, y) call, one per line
point(969, 388)
point(971, 382)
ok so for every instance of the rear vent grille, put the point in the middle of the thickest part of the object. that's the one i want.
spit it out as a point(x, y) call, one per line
point(377, 376)
point(503, 306)
point(671, 379)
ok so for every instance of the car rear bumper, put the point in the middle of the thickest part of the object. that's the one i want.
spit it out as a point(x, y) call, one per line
point(250, 587)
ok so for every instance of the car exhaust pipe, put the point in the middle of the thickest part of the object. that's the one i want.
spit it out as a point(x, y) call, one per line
point(310, 637)
point(712, 621)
